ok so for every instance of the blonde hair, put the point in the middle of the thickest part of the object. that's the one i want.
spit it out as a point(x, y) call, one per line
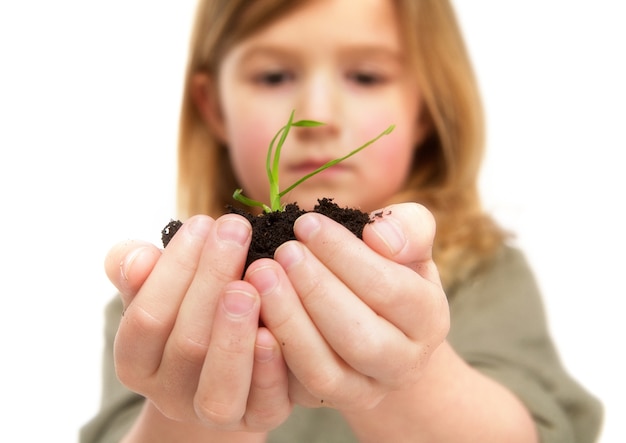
point(446, 166)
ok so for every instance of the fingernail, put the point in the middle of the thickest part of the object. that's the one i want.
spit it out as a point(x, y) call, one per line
point(127, 263)
point(289, 254)
point(264, 279)
point(390, 232)
point(199, 226)
point(307, 225)
point(263, 354)
point(238, 303)
point(233, 230)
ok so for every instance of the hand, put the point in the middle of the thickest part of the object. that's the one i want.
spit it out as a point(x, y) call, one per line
point(355, 319)
point(189, 339)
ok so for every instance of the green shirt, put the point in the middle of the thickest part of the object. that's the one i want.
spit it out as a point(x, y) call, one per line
point(498, 326)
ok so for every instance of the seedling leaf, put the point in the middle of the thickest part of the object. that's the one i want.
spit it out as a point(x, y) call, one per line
point(272, 163)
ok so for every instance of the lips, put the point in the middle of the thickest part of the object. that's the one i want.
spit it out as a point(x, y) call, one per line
point(309, 166)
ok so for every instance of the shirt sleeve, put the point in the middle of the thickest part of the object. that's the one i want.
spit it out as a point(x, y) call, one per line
point(499, 327)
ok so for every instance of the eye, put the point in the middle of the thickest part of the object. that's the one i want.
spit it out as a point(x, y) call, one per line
point(364, 78)
point(274, 78)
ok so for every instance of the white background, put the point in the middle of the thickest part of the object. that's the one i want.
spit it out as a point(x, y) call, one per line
point(89, 98)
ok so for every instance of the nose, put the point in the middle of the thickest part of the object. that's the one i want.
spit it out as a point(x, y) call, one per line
point(319, 100)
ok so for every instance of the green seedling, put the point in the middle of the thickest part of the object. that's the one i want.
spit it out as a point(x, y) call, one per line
point(273, 159)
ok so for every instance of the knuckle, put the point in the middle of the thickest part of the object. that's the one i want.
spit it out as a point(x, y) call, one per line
point(140, 324)
point(370, 402)
point(224, 265)
point(262, 418)
point(172, 408)
point(326, 384)
point(410, 372)
point(183, 262)
point(127, 368)
point(233, 345)
point(219, 414)
point(368, 350)
point(137, 328)
point(189, 349)
point(127, 374)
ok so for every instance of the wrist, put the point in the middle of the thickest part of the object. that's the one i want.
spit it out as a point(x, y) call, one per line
point(451, 402)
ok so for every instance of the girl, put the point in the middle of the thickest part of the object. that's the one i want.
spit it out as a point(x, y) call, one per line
point(360, 340)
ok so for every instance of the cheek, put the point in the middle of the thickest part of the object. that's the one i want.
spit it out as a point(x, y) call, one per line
point(393, 153)
point(247, 147)
point(390, 161)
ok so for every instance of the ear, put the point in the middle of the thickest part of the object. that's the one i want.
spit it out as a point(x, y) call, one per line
point(204, 96)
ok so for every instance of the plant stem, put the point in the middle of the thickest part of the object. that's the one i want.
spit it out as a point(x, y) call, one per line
point(337, 160)
point(272, 163)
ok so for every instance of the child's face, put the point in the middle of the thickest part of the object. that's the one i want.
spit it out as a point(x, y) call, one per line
point(341, 62)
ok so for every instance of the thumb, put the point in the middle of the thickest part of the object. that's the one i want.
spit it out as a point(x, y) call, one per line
point(404, 233)
point(128, 265)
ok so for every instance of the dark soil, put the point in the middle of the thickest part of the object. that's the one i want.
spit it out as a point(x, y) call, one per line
point(270, 230)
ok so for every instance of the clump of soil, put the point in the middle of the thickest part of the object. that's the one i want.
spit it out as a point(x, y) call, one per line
point(270, 230)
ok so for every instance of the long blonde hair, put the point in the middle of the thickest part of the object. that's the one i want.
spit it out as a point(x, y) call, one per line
point(446, 166)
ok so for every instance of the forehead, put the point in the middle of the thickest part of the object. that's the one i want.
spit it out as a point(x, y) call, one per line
point(326, 23)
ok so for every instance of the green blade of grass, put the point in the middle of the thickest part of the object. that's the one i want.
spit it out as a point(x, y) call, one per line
point(279, 146)
point(272, 163)
point(337, 160)
point(237, 195)
point(273, 158)
point(308, 123)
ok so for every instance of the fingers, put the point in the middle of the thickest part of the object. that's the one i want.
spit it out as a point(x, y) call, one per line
point(268, 402)
point(221, 396)
point(244, 378)
point(150, 317)
point(306, 343)
point(371, 312)
point(128, 264)
point(368, 311)
point(189, 339)
point(356, 329)
point(404, 233)
point(388, 288)
point(170, 318)
point(221, 262)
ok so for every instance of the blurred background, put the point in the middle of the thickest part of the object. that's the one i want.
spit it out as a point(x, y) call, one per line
point(89, 98)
